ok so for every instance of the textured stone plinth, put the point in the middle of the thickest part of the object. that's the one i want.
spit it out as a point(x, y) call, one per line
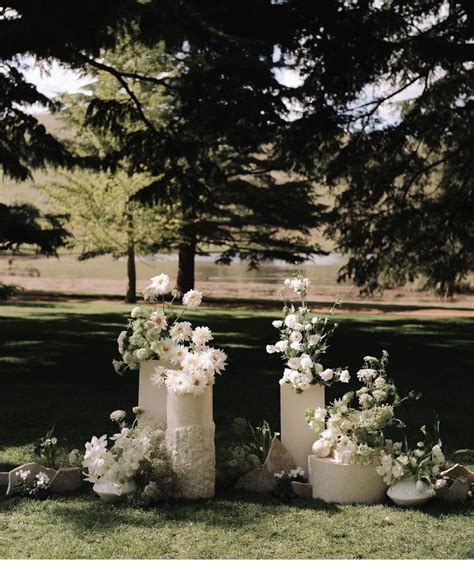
point(152, 398)
point(296, 436)
point(335, 482)
point(190, 442)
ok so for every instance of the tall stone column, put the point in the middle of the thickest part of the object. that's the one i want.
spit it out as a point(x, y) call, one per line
point(296, 436)
point(190, 442)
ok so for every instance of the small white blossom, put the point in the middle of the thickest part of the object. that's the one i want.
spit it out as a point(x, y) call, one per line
point(159, 320)
point(345, 376)
point(201, 335)
point(118, 415)
point(326, 375)
point(137, 312)
point(192, 299)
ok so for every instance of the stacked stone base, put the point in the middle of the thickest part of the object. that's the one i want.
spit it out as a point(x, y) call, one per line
point(193, 458)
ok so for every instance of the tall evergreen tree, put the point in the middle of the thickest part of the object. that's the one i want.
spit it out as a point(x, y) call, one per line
point(212, 152)
point(386, 91)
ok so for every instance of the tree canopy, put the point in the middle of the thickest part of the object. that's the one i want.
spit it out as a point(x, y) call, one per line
point(401, 174)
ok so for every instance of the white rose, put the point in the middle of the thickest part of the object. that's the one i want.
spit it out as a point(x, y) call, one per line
point(281, 345)
point(291, 321)
point(306, 362)
point(326, 375)
point(345, 376)
point(277, 323)
point(271, 349)
point(314, 339)
point(296, 346)
point(296, 336)
point(192, 299)
point(294, 363)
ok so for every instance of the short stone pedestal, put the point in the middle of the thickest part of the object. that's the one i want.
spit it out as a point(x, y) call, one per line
point(190, 442)
point(296, 436)
point(152, 398)
point(335, 482)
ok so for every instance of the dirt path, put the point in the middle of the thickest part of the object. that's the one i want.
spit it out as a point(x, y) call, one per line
point(401, 302)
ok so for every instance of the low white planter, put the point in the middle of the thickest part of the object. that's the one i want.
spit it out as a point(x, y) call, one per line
point(113, 492)
point(190, 442)
point(335, 482)
point(405, 494)
point(296, 436)
point(152, 398)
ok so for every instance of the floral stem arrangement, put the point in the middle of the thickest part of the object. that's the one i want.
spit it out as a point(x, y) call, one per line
point(303, 340)
point(355, 426)
point(159, 332)
point(423, 463)
point(135, 456)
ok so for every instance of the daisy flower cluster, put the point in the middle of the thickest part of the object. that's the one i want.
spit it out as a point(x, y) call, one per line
point(189, 362)
point(303, 340)
point(354, 427)
point(424, 463)
point(122, 461)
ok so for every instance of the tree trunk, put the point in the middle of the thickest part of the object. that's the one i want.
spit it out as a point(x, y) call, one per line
point(187, 251)
point(131, 295)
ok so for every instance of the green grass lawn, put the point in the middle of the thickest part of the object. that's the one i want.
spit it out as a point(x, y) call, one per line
point(55, 368)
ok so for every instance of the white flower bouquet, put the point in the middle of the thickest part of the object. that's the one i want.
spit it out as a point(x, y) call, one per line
point(121, 462)
point(355, 432)
point(423, 463)
point(189, 363)
point(303, 340)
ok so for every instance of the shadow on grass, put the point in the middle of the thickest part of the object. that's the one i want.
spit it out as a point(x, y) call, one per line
point(56, 368)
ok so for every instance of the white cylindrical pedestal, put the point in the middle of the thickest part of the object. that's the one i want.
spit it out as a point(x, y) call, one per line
point(296, 436)
point(334, 482)
point(152, 398)
point(190, 442)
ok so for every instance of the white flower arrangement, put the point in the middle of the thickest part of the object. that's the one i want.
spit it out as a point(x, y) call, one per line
point(31, 486)
point(303, 340)
point(121, 462)
point(356, 434)
point(160, 334)
point(423, 463)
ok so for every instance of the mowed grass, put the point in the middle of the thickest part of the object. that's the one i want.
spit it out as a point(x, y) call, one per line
point(55, 368)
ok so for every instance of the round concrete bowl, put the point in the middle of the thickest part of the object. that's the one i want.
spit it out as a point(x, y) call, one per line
point(405, 494)
point(111, 492)
point(334, 482)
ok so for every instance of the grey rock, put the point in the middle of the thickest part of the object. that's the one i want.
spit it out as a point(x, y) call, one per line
point(34, 469)
point(66, 480)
